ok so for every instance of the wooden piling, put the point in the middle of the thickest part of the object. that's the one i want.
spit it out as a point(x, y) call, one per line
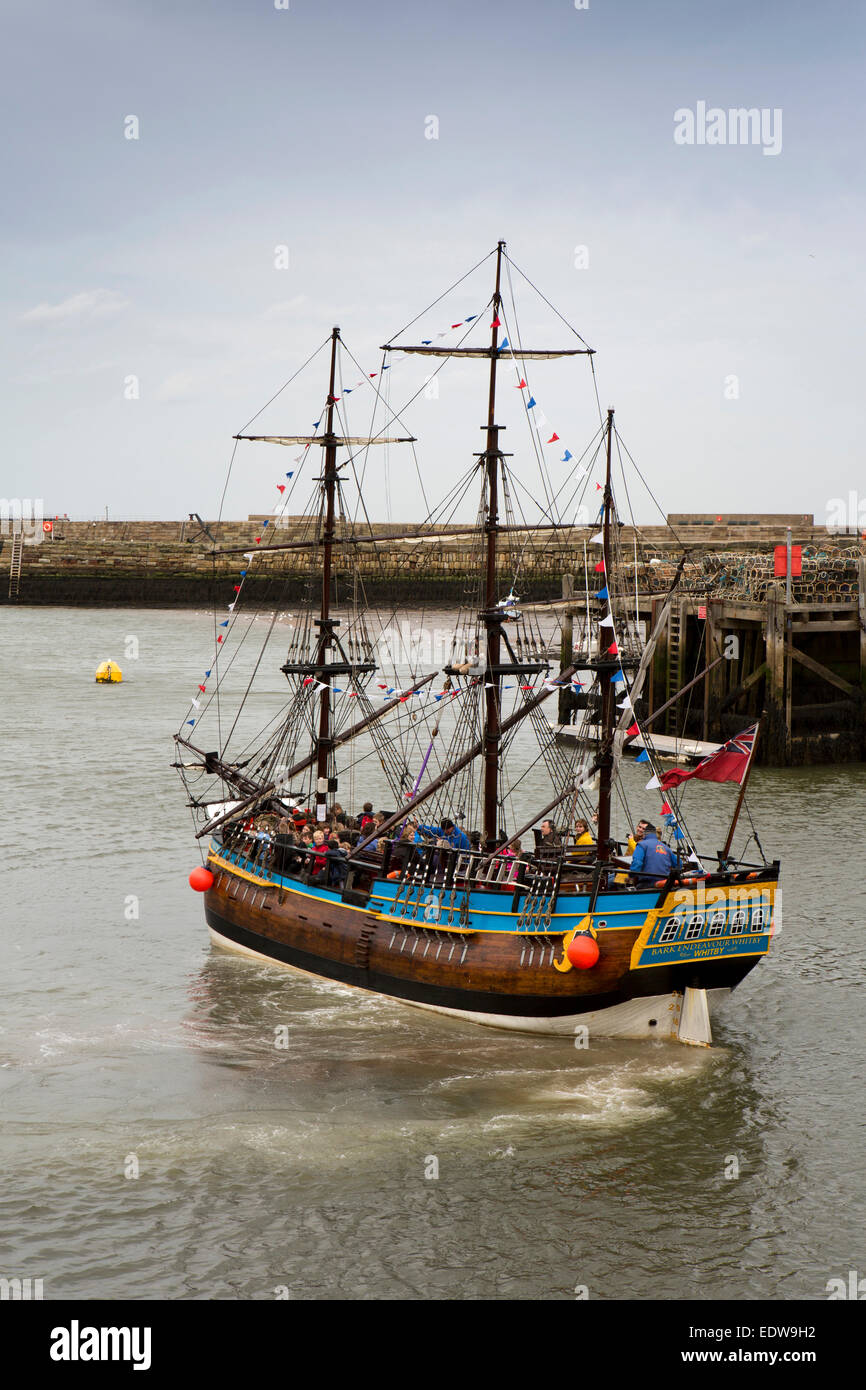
point(776, 732)
point(716, 679)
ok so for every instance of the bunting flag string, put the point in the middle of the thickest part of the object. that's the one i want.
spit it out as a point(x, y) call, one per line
point(654, 784)
point(540, 420)
point(282, 489)
point(398, 356)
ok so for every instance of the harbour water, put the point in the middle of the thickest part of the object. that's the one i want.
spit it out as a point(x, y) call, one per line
point(181, 1123)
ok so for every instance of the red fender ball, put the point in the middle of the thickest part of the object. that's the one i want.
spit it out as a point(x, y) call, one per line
point(583, 952)
point(201, 879)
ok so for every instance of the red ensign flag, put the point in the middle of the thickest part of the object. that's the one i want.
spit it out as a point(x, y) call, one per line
point(727, 764)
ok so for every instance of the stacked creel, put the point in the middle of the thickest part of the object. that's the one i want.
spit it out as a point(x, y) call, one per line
point(829, 575)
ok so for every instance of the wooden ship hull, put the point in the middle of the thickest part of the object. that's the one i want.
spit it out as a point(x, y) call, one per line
point(495, 955)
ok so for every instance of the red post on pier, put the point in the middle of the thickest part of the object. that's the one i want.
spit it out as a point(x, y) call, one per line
point(781, 561)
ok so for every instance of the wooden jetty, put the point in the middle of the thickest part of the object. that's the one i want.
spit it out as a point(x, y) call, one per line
point(684, 749)
point(800, 665)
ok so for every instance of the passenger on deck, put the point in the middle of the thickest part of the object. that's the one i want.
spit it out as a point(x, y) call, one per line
point(582, 835)
point(454, 838)
point(319, 858)
point(508, 853)
point(632, 844)
point(403, 847)
point(338, 869)
point(283, 840)
point(651, 858)
point(517, 850)
point(375, 845)
point(549, 843)
point(366, 816)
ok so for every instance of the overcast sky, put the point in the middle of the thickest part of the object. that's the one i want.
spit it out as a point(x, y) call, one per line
point(724, 285)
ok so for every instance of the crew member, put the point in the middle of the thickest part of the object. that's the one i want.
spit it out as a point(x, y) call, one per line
point(651, 859)
point(453, 836)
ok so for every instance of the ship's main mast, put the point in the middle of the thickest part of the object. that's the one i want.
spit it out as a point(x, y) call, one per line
point(491, 461)
point(492, 458)
point(326, 623)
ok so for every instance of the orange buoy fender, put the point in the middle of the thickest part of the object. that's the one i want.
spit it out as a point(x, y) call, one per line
point(201, 879)
point(583, 951)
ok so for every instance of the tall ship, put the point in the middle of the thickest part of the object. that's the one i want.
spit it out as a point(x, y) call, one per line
point(406, 822)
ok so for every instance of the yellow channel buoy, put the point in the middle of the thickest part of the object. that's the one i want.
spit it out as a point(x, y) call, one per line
point(107, 672)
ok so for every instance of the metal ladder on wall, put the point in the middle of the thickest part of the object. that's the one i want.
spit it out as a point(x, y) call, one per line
point(15, 563)
point(674, 673)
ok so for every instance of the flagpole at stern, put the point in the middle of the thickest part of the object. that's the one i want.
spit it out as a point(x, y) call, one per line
point(726, 851)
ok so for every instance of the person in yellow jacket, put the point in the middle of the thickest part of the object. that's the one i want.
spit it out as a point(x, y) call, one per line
point(639, 831)
point(582, 834)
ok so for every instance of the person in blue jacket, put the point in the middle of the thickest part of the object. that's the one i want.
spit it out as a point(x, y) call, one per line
point(651, 858)
point(447, 831)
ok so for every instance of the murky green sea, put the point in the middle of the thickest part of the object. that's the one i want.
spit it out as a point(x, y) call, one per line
point(129, 1046)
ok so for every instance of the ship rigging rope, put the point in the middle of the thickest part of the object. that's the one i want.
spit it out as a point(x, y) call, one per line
point(560, 316)
point(531, 421)
point(221, 674)
point(397, 415)
point(639, 547)
point(658, 506)
point(634, 692)
point(253, 675)
point(216, 658)
point(558, 520)
point(430, 518)
point(678, 798)
point(271, 585)
point(268, 634)
point(255, 417)
point(439, 299)
point(546, 548)
point(754, 834)
point(531, 635)
point(509, 262)
point(377, 395)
